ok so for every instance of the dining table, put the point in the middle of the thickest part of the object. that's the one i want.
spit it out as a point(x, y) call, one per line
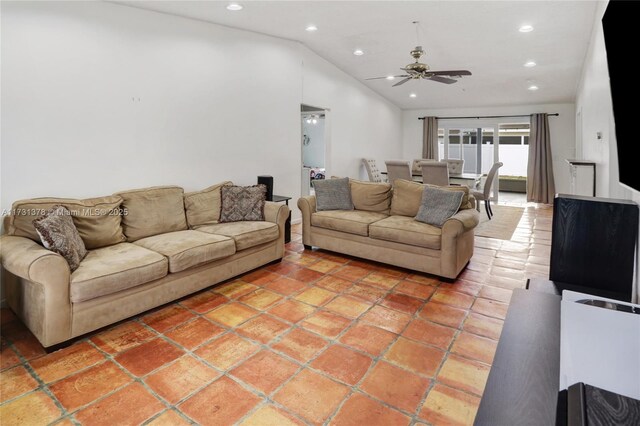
point(472, 180)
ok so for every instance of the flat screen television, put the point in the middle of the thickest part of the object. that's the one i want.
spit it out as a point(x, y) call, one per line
point(619, 24)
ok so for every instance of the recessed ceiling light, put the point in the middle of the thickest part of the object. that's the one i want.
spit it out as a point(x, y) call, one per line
point(311, 28)
point(525, 29)
point(390, 77)
point(358, 52)
point(530, 64)
point(533, 88)
point(412, 95)
point(234, 6)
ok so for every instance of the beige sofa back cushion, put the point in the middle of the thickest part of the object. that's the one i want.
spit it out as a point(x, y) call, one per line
point(371, 196)
point(98, 220)
point(153, 211)
point(407, 196)
point(203, 207)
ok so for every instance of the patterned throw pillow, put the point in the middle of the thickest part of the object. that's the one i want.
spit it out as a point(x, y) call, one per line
point(241, 203)
point(333, 194)
point(59, 234)
point(438, 205)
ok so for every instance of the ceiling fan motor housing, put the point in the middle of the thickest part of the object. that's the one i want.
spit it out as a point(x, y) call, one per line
point(417, 53)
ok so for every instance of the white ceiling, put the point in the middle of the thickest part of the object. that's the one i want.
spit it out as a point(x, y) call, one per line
point(481, 36)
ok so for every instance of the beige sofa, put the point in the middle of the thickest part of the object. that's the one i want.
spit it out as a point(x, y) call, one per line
point(382, 228)
point(146, 248)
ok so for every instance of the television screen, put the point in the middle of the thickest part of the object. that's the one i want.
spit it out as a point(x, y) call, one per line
point(619, 24)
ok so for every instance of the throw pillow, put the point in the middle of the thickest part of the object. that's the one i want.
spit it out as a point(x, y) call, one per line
point(59, 234)
point(438, 205)
point(240, 203)
point(333, 194)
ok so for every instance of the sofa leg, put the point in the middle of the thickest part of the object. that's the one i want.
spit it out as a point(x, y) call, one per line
point(274, 262)
point(447, 280)
point(62, 345)
point(306, 247)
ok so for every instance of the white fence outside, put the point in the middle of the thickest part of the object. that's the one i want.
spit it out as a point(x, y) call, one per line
point(514, 158)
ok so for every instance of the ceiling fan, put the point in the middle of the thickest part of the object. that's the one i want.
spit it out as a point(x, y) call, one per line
point(420, 71)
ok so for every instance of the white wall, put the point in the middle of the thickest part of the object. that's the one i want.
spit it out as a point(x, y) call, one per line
point(99, 97)
point(360, 122)
point(593, 102)
point(313, 154)
point(562, 129)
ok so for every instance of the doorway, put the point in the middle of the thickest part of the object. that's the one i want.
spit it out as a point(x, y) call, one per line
point(481, 143)
point(314, 139)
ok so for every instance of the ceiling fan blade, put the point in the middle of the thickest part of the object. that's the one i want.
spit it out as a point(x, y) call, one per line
point(452, 72)
point(378, 78)
point(402, 82)
point(442, 79)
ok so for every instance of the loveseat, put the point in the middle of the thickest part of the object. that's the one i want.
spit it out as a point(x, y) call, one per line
point(146, 247)
point(381, 227)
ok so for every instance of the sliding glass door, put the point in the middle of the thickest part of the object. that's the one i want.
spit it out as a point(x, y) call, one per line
point(473, 145)
point(481, 143)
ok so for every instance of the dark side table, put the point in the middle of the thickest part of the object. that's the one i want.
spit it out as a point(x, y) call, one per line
point(287, 224)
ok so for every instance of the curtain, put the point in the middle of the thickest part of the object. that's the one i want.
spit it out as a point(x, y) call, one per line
point(430, 138)
point(540, 185)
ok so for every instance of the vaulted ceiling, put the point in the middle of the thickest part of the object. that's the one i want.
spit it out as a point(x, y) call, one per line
point(480, 36)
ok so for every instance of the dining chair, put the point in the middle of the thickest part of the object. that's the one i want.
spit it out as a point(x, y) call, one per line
point(372, 170)
point(455, 166)
point(416, 167)
point(398, 169)
point(485, 194)
point(435, 173)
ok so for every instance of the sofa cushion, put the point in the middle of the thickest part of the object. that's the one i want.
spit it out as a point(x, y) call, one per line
point(350, 221)
point(152, 211)
point(97, 220)
point(114, 268)
point(406, 230)
point(203, 207)
point(408, 195)
point(371, 196)
point(333, 194)
point(246, 234)
point(186, 249)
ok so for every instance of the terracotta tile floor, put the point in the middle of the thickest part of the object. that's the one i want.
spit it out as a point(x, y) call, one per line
point(319, 338)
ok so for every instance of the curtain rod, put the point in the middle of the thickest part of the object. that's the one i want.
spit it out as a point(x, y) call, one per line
point(555, 114)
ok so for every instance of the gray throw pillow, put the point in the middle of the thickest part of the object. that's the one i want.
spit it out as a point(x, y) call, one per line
point(333, 194)
point(58, 234)
point(240, 203)
point(438, 205)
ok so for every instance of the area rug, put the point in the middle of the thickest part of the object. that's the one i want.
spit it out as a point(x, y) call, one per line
point(502, 225)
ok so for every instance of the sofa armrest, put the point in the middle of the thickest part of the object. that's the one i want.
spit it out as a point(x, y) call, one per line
point(37, 288)
point(462, 221)
point(276, 212)
point(307, 206)
point(27, 259)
